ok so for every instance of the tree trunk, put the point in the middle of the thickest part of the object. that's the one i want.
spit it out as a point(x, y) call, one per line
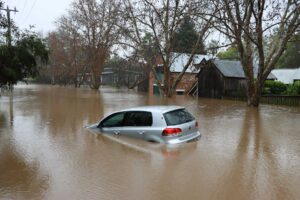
point(95, 81)
point(167, 81)
point(254, 93)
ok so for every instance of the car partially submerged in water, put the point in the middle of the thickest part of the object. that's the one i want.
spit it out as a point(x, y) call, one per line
point(163, 124)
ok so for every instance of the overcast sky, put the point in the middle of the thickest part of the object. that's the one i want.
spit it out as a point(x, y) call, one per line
point(40, 13)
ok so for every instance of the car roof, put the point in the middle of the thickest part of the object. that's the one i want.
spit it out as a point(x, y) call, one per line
point(155, 108)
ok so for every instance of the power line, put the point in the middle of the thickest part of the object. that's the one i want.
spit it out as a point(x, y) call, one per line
point(24, 5)
point(29, 11)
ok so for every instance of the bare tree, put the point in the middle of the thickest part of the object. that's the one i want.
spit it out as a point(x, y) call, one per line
point(160, 19)
point(70, 51)
point(56, 69)
point(260, 29)
point(96, 23)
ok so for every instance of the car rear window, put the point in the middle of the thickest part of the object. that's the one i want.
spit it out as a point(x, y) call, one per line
point(176, 117)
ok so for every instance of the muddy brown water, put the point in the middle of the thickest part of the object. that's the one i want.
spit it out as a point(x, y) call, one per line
point(46, 153)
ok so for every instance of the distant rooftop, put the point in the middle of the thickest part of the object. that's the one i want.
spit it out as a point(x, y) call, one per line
point(287, 76)
point(181, 59)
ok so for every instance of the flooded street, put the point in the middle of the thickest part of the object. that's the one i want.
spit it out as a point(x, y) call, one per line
point(46, 153)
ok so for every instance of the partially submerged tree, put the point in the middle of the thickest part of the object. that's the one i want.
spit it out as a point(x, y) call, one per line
point(161, 19)
point(21, 60)
point(95, 23)
point(83, 41)
point(68, 56)
point(21, 53)
point(249, 24)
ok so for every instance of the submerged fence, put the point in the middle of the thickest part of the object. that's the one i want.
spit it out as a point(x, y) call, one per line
point(271, 99)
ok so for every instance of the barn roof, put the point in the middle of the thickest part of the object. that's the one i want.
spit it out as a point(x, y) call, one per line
point(234, 69)
point(230, 68)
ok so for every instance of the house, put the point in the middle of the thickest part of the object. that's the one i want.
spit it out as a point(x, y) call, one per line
point(287, 76)
point(108, 77)
point(219, 78)
point(178, 61)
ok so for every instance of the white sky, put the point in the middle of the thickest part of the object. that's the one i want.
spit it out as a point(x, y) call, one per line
point(40, 13)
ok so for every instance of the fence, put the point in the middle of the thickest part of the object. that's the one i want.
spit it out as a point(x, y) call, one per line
point(277, 100)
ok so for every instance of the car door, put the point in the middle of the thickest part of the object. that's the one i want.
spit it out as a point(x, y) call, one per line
point(113, 124)
point(137, 123)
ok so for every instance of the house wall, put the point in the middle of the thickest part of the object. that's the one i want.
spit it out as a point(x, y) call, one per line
point(185, 84)
point(234, 86)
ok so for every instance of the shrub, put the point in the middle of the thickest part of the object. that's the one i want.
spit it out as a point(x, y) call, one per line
point(294, 89)
point(274, 87)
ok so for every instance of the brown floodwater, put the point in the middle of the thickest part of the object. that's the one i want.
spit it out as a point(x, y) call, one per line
point(46, 153)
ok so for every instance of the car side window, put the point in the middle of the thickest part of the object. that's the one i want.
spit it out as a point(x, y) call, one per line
point(138, 118)
point(115, 120)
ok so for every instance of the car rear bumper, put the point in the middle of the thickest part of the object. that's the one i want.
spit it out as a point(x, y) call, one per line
point(182, 139)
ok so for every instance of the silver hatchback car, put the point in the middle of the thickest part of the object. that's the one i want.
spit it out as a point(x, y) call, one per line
point(163, 124)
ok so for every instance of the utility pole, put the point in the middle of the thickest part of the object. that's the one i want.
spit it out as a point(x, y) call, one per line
point(9, 23)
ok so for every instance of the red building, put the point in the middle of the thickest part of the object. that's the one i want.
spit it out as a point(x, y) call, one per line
point(178, 61)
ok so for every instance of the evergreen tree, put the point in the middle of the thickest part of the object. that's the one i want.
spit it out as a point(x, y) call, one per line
point(19, 60)
point(186, 37)
point(291, 57)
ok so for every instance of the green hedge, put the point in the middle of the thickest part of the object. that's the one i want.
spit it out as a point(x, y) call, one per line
point(274, 87)
point(279, 88)
point(293, 89)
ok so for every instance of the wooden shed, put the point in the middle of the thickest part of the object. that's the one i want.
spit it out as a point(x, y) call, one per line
point(218, 78)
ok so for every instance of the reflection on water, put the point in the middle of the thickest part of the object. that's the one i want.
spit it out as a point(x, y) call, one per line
point(45, 153)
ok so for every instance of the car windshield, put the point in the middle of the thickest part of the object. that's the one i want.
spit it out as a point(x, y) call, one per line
point(176, 117)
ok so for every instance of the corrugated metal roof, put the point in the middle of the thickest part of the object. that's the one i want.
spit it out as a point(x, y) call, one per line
point(234, 68)
point(230, 68)
point(181, 59)
point(287, 76)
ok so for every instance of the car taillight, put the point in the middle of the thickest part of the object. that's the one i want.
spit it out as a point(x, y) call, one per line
point(197, 125)
point(171, 131)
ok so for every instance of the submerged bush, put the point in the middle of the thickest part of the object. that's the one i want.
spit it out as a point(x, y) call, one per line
point(274, 87)
point(294, 89)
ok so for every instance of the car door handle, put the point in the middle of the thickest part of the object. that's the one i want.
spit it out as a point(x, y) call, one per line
point(117, 132)
point(141, 132)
